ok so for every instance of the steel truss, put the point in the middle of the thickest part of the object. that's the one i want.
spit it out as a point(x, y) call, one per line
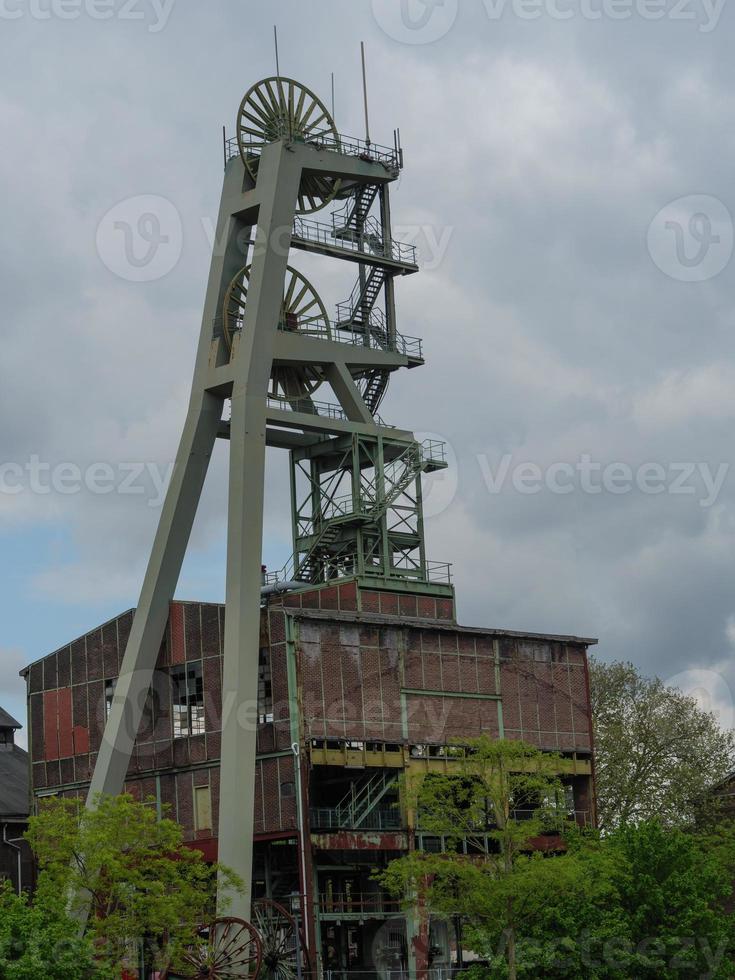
point(266, 345)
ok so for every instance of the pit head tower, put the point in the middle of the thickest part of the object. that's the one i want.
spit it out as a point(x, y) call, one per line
point(276, 368)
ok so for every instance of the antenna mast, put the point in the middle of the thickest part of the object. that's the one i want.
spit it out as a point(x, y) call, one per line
point(364, 93)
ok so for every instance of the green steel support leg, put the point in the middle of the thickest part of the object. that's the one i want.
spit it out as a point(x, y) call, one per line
point(278, 184)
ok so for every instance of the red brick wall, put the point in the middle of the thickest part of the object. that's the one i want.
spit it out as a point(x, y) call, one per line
point(67, 712)
point(349, 597)
point(367, 682)
point(386, 682)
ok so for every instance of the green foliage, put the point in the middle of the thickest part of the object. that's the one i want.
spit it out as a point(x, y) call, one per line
point(474, 808)
point(490, 781)
point(41, 940)
point(644, 900)
point(142, 881)
point(649, 901)
point(657, 753)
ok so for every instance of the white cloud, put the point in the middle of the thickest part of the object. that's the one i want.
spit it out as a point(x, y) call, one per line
point(698, 394)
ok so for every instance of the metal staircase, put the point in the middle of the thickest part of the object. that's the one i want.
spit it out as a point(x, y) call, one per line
point(374, 388)
point(413, 463)
point(358, 315)
point(308, 567)
point(355, 807)
point(354, 313)
point(349, 222)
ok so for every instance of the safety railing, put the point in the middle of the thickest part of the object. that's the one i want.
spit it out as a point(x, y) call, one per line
point(347, 566)
point(552, 822)
point(332, 818)
point(374, 338)
point(433, 450)
point(358, 903)
point(306, 405)
point(401, 344)
point(309, 406)
point(368, 243)
point(389, 156)
point(437, 572)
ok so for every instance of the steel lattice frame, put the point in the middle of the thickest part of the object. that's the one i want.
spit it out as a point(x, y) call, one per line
point(263, 355)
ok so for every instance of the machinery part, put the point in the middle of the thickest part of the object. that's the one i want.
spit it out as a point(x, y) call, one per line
point(281, 108)
point(229, 949)
point(282, 942)
point(302, 311)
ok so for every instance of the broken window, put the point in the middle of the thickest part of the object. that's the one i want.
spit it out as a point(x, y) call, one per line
point(188, 700)
point(265, 688)
point(109, 695)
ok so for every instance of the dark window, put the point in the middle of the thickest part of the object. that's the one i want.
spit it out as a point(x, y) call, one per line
point(109, 695)
point(265, 688)
point(188, 700)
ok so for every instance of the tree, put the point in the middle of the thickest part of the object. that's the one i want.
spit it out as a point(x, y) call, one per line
point(647, 901)
point(143, 883)
point(658, 754)
point(41, 940)
point(496, 798)
point(643, 900)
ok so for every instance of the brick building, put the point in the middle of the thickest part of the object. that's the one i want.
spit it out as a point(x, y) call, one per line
point(357, 685)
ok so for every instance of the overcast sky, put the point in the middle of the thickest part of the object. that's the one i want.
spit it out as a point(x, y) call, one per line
point(568, 180)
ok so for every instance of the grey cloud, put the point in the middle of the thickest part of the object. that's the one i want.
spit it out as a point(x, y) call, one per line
point(546, 147)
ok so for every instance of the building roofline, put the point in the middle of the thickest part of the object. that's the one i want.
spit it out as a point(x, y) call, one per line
point(7, 720)
point(377, 619)
point(82, 636)
point(93, 629)
point(372, 618)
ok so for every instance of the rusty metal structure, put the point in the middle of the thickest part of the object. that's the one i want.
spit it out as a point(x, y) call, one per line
point(276, 727)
